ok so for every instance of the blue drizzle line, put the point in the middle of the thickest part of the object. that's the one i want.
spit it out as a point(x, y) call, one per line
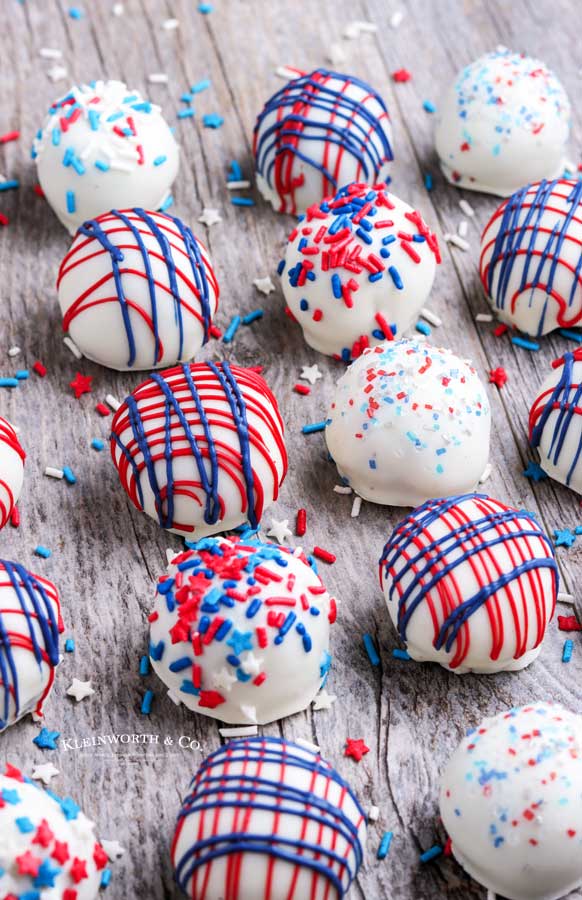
point(448, 547)
point(38, 610)
point(212, 789)
point(566, 406)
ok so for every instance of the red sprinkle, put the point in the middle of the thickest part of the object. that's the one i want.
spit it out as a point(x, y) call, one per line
point(102, 409)
point(215, 332)
point(3, 219)
point(302, 389)
point(39, 368)
point(9, 136)
point(501, 329)
point(301, 523)
point(400, 76)
point(15, 517)
point(356, 748)
point(569, 623)
point(324, 555)
point(498, 376)
point(448, 849)
point(38, 190)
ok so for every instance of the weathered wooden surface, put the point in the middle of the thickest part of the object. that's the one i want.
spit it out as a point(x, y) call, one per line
point(106, 556)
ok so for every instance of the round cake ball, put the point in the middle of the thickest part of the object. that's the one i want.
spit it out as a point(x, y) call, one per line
point(358, 269)
point(268, 818)
point(320, 131)
point(30, 624)
point(555, 423)
point(504, 122)
point(470, 583)
point(201, 448)
point(103, 146)
point(137, 290)
point(510, 801)
point(409, 422)
point(240, 630)
point(48, 846)
point(12, 458)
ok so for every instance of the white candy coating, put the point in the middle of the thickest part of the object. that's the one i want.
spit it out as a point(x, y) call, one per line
point(137, 290)
point(510, 801)
point(48, 836)
point(503, 123)
point(240, 632)
point(409, 422)
point(101, 147)
point(12, 458)
point(470, 583)
point(355, 265)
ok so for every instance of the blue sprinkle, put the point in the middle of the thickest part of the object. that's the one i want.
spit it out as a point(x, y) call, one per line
point(429, 106)
point(22, 374)
point(9, 382)
point(24, 825)
point(428, 183)
point(98, 444)
point(428, 855)
point(336, 286)
point(159, 160)
point(395, 275)
point(232, 329)
point(179, 665)
point(42, 551)
point(314, 426)
point(384, 845)
point(75, 12)
point(572, 335)
point(105, 878)
point(212, 120)
point(101, 165)
point(205, 8)
point(376, 276)
point(94, 117)
point(167, 203)
point(9, 185)
point(146, 703)
point(144, 665)
point(69, 475)
point(71, 203)
point(423, 328)
point(400, 654)
point(372, 463)
point(371, 650)
point(56, 137)
point(69, 645)
point(253, 316)
point(522, 342)
point(567, 651)
point(186, 113)
point(242, 201)
point(203, 86)
point(157, 651)
point(186, 98)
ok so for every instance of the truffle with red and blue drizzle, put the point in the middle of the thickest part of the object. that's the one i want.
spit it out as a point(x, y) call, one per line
point(510, 801)
point(240, 630)
point(102, 146)
point(531, 257)
point(268, 818)
point(201, 448)
point(555, 421)
point(357, 269)
point(48, 847)
point(12, 458)
point(504, 122)
point(30, 625)
point(320, 131)
point(470, 583)
point(408, 422)
point(137, 290)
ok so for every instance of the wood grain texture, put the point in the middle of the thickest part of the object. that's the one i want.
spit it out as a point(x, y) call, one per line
point(106, 556)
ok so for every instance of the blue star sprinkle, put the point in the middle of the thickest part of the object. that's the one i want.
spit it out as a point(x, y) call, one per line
point(563, 537)
point(46, 740)
point(534, 471)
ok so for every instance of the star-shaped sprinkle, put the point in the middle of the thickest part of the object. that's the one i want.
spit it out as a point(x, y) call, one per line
point(100, 857)
point(210, 699)
point(79, 870)
point(81, 384)
point(534, 471)
point(241, 641)
point(47, 875)
point(46, 740)
point(212, 120)
point(209, 217)
point(44, 836)
point(113, 849)
point(324, 700)
point(45, 773)
point(279, 530)
point(498, 376)
point(80, 689)
point(251, 665)
point(28, 864)
point(60, 852)
point(310, 373)
point(356, 749)
point(69, 808)
point(223, 680)
point(563, 537)
point(264, 285)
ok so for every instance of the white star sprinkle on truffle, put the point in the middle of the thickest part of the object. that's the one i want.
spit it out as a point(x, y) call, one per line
point(45, 773)
point(113, 849)
point(210, 217)
point(251, 665)
point(264, 285)
point(279, 530)
point(223, 680)
point(324, 700)
point(310, 373)
point(80, 689)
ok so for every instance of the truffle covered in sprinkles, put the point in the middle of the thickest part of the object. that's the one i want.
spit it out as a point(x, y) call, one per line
point(408, 422)
point(240, 630)
point(103, 146)
point(510, 801)
point(470, 583)
point(358, 269)
point(268, 818)
point(320, 131)
point(12, 458)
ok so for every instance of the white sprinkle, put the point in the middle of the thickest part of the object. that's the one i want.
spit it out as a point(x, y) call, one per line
point(14, 351)
point(483, 317)
point(284, 72)
point(368, 27)
point(113, 849)
point(565, 598)
point(457, 241)
point(356, 507)
point(466, 208)
point(158, 78)
point(118, 9)
point(462, 228)
point(342, 489)
point(244, 731)
point(54, 473)
point(486, 474)
point(57, 73)
point(120, 166)
point(113, 402)
point(396, 19)
point(170, 24)
point(307, 744)
point(351, 31)
point(430, 317)
point(174, 698)
point(336, 54)
point(238, 185)
point(50, 53)
point(69, 342)
point(373, 814)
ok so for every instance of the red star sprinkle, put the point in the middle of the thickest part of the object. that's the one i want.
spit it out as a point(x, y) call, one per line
point(498, 376)
point(569, 623)
point(79, 870)
point(61, 852)
point(81, 384)
point(70, 894)
point(210, 699)
point(401, 75)
point(28, 864)
point(100, 857)
point(356, 749)
point(13, 772)
point(44, 835)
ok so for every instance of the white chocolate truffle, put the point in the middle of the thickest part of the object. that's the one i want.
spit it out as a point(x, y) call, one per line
point(137, 290)
point(555, 421)
point(48, 846)
point(12, 458)
point(504, 122)
point(510, 801)
point(200, 448)
point(470, 583)
point(409, 422)
point(293, 825)
point(240, 631)
point(531, 257)
point(30, 624)
point(357, 270)
point(320, 131)
point(103, 146)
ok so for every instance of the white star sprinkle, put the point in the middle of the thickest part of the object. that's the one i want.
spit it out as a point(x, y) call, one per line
point(45, 773)
point(324, 700)
point(264, 285)
point(310, 373)
point(209, 217)
point(80, 689)
point(223, 680)
point(279, 530)
point(251, 665)
point(113, 849)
